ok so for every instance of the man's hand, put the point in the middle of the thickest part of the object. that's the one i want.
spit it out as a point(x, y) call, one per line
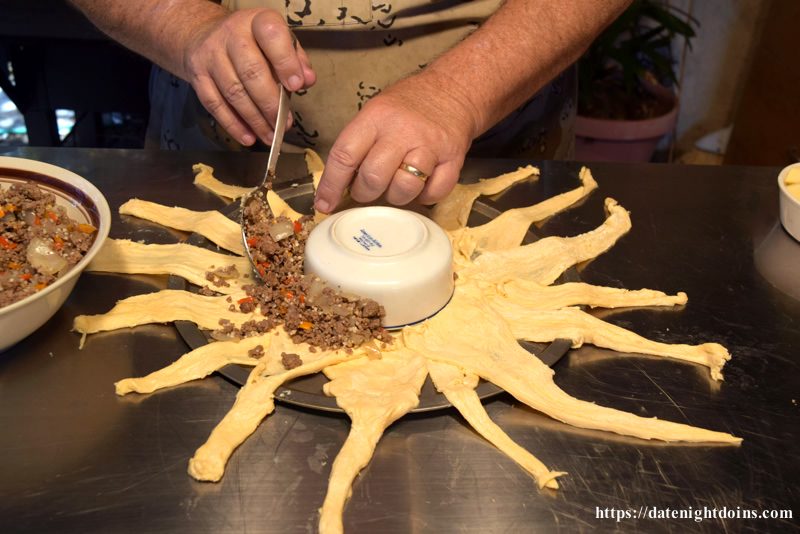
point(430, 126)
point(235, 64)
point(234, 60)
point(412, 122)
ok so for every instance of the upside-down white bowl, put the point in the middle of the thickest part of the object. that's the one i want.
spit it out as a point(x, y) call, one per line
point(789, 206)
point(85, 204)
point(399, 258)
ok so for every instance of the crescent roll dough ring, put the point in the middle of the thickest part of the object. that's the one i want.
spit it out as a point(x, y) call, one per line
point(374, 393)
point(204, 179)
point(194, 365)
point(212, 225)
point(535, 296)
point(255, 401)
point(545, 260)
point(580, 327)
point(489, 349)
point(280, 207)
point(163, 307)
point(504, 293)
point(187, 261)
point(508, 229)
point(459, 388)
point(452, 212)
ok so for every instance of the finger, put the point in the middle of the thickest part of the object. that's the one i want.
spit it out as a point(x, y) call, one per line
point(406, 186)
point(309, 76)
point(343, 161)
point(441, 182)
point(252, 70)
point(235, 93)
point(215, 103)
point(277, 43)
point(376, 171)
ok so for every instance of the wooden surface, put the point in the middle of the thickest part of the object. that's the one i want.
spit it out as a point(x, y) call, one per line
point(767, 124)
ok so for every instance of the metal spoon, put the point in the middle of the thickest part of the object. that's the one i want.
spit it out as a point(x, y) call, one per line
point(260, 192)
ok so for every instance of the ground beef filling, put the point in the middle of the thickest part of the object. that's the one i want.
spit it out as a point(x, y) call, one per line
point(290, 360)
point(309, 310)
point(38, 241)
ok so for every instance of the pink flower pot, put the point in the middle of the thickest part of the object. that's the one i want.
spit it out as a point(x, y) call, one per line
point(621, 140)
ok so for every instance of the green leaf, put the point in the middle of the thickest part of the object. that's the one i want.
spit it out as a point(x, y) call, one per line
point(641, 35)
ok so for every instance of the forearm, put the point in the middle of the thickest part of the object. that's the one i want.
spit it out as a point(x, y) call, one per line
point(160, 30)
point(525, 44)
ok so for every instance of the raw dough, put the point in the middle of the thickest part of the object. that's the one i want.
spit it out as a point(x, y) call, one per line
point(508, 229)
point(374, 393)
point(254, 402)
point(452, 212)
point(204, 179)
point(545, 260)
point(196, 364)
point(164, 306)
point(280, 207)
point(459, 388)
point(186, 261)
point(503, 293)
point(489, 349)
point(212, 225)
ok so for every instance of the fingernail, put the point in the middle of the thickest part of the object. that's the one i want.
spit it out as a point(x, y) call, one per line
point(295, 82)
point(322, 205)
point(248, 139)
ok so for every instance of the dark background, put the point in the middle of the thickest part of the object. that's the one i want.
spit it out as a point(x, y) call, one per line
point(52, 57)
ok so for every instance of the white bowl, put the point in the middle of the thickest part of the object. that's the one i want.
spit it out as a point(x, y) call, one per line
point(398, 258)
point(789, 206)
point(85, 204)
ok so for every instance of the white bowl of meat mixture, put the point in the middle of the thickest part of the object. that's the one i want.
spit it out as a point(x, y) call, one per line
point(52, 223)
point(789, 185)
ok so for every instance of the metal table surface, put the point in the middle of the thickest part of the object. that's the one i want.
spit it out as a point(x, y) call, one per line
point(76, 458)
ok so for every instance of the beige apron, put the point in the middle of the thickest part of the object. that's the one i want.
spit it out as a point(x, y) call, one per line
point(358, 47)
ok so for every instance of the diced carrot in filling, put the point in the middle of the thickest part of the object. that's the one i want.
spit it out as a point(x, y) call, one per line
point(38, 241)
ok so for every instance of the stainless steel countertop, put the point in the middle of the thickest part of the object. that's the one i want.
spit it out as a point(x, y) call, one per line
point(74, 457)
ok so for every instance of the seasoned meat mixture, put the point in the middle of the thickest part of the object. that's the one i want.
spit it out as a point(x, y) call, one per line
point(38, 241)
point(309, 310)
point(290, 360)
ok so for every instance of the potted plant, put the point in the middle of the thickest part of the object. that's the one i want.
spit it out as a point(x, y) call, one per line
point(624, 103)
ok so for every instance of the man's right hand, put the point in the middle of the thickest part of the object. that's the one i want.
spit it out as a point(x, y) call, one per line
point(235, 63)
point(234, 60)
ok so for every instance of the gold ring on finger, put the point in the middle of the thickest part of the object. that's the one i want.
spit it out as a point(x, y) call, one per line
point(415, 171)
